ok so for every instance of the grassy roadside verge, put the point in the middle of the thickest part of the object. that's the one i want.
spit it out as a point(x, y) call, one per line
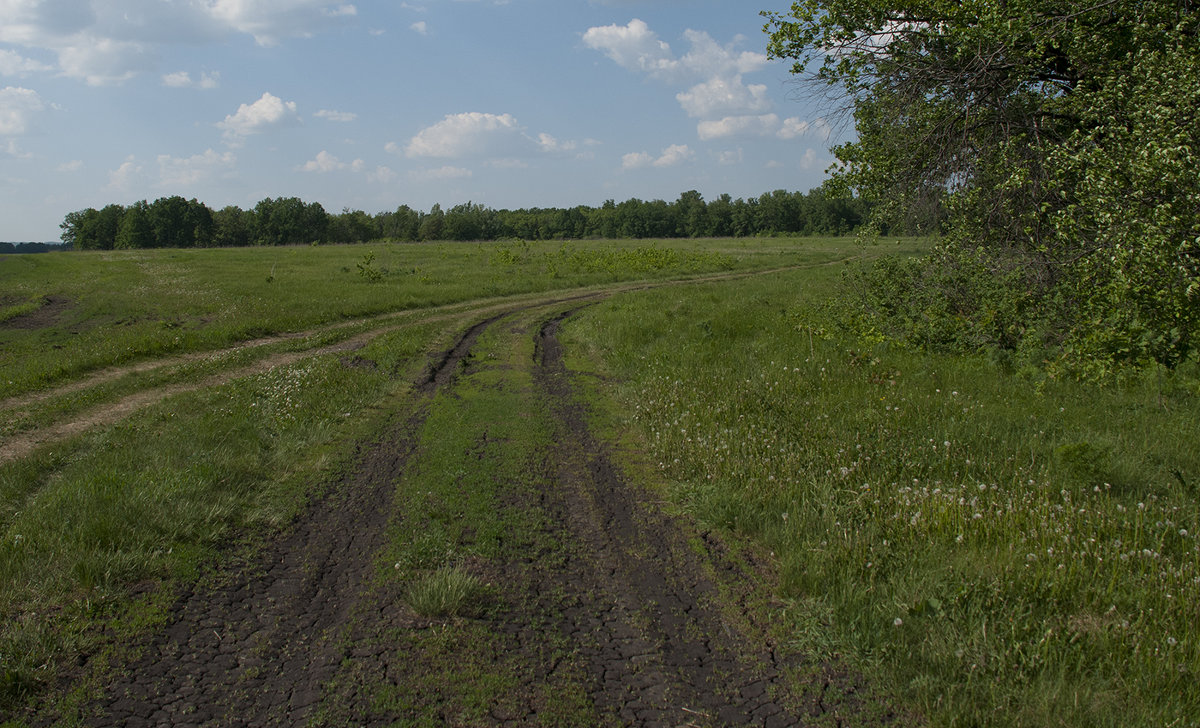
point(991, 551)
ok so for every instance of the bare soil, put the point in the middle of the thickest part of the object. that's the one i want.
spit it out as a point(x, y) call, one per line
point(44, 317)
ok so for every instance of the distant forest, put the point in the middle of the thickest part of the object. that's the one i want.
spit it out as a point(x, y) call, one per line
point(11, 248)
point(173, 222)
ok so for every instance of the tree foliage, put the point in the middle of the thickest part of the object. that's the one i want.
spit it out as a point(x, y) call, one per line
point(1061, 136)
point(175, 222)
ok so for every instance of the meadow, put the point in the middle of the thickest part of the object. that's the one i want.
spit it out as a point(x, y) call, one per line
point(989, 548)
point(995, 549)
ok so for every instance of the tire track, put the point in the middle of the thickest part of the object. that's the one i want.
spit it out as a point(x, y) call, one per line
point(23, 443)
point(255, 649)
point(642, 608)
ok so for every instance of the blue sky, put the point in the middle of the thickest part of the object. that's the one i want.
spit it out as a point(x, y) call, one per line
point(370, 105)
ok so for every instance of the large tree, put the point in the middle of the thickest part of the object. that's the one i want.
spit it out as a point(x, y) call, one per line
point(1063, 136)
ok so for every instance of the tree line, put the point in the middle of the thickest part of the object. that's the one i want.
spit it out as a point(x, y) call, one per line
point(175, 222)
point(21, 248)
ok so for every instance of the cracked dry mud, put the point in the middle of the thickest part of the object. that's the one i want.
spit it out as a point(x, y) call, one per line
point(614, 607)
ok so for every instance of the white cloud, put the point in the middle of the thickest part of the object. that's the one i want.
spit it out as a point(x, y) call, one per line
point(634, 47)
point(479, 135)
point(761, 125)
point(19, 109)
point(670, 157)
point(329, 115)
point(634, 160)
point(269, 21)
point(420, 27)
point(381, 175)
point(103, 61)
point(721, 89)
point(707, 58)
point(184, 171)
point(14, 64)
point(183, 79)
point(793, 128)
point(269, 112)
point(719, 95)
point(673, 155)
point(730, 157)
point(180, 79)
point(441, 173)
point(11, 149)
point(552, 145)
point(110, 41)
point(325, 162)
point(123, 177)
point(70, 167)
point(463, 135)
point(810, 159)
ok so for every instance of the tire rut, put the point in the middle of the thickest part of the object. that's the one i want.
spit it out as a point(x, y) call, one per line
point(641, 605)
point(256, 647)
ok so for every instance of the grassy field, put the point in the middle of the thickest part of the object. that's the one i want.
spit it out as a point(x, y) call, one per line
point(989, 549)
point(998, 551)
point(98, 309)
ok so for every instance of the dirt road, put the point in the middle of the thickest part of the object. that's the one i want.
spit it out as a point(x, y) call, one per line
point(610, 613)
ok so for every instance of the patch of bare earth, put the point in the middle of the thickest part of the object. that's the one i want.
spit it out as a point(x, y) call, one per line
point(43, 317)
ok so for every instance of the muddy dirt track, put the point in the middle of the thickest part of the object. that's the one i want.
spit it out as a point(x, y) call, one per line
point(626, 611)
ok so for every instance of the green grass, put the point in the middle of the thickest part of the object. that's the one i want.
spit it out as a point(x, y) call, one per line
point(448, 592)
point(465, 514)
point(994, 550)
point(990, 549)
point(167, 491)
point(125, 306)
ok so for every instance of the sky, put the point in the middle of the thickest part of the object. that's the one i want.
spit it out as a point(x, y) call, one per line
point(371, 105)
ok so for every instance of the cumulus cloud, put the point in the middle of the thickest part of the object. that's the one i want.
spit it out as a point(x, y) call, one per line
point(712, 74)
point(103, 61)
point(634, 47)
point(730, 157)
point(328, 115)
point(184, 171)
point(793, 128)
point(14, 64)
point(109, 41)
point(720, 95)
point(70, 167)
point(19, 109)
point(381, 175)
point(123, 177)
point(270, 21)
point(183, 79)
point(420, 27)
point(326, 162)
point(762, 125)
point(446, 172)
point(11, 149)
point(269, 112)
point(479, 135)
point(670, 157)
